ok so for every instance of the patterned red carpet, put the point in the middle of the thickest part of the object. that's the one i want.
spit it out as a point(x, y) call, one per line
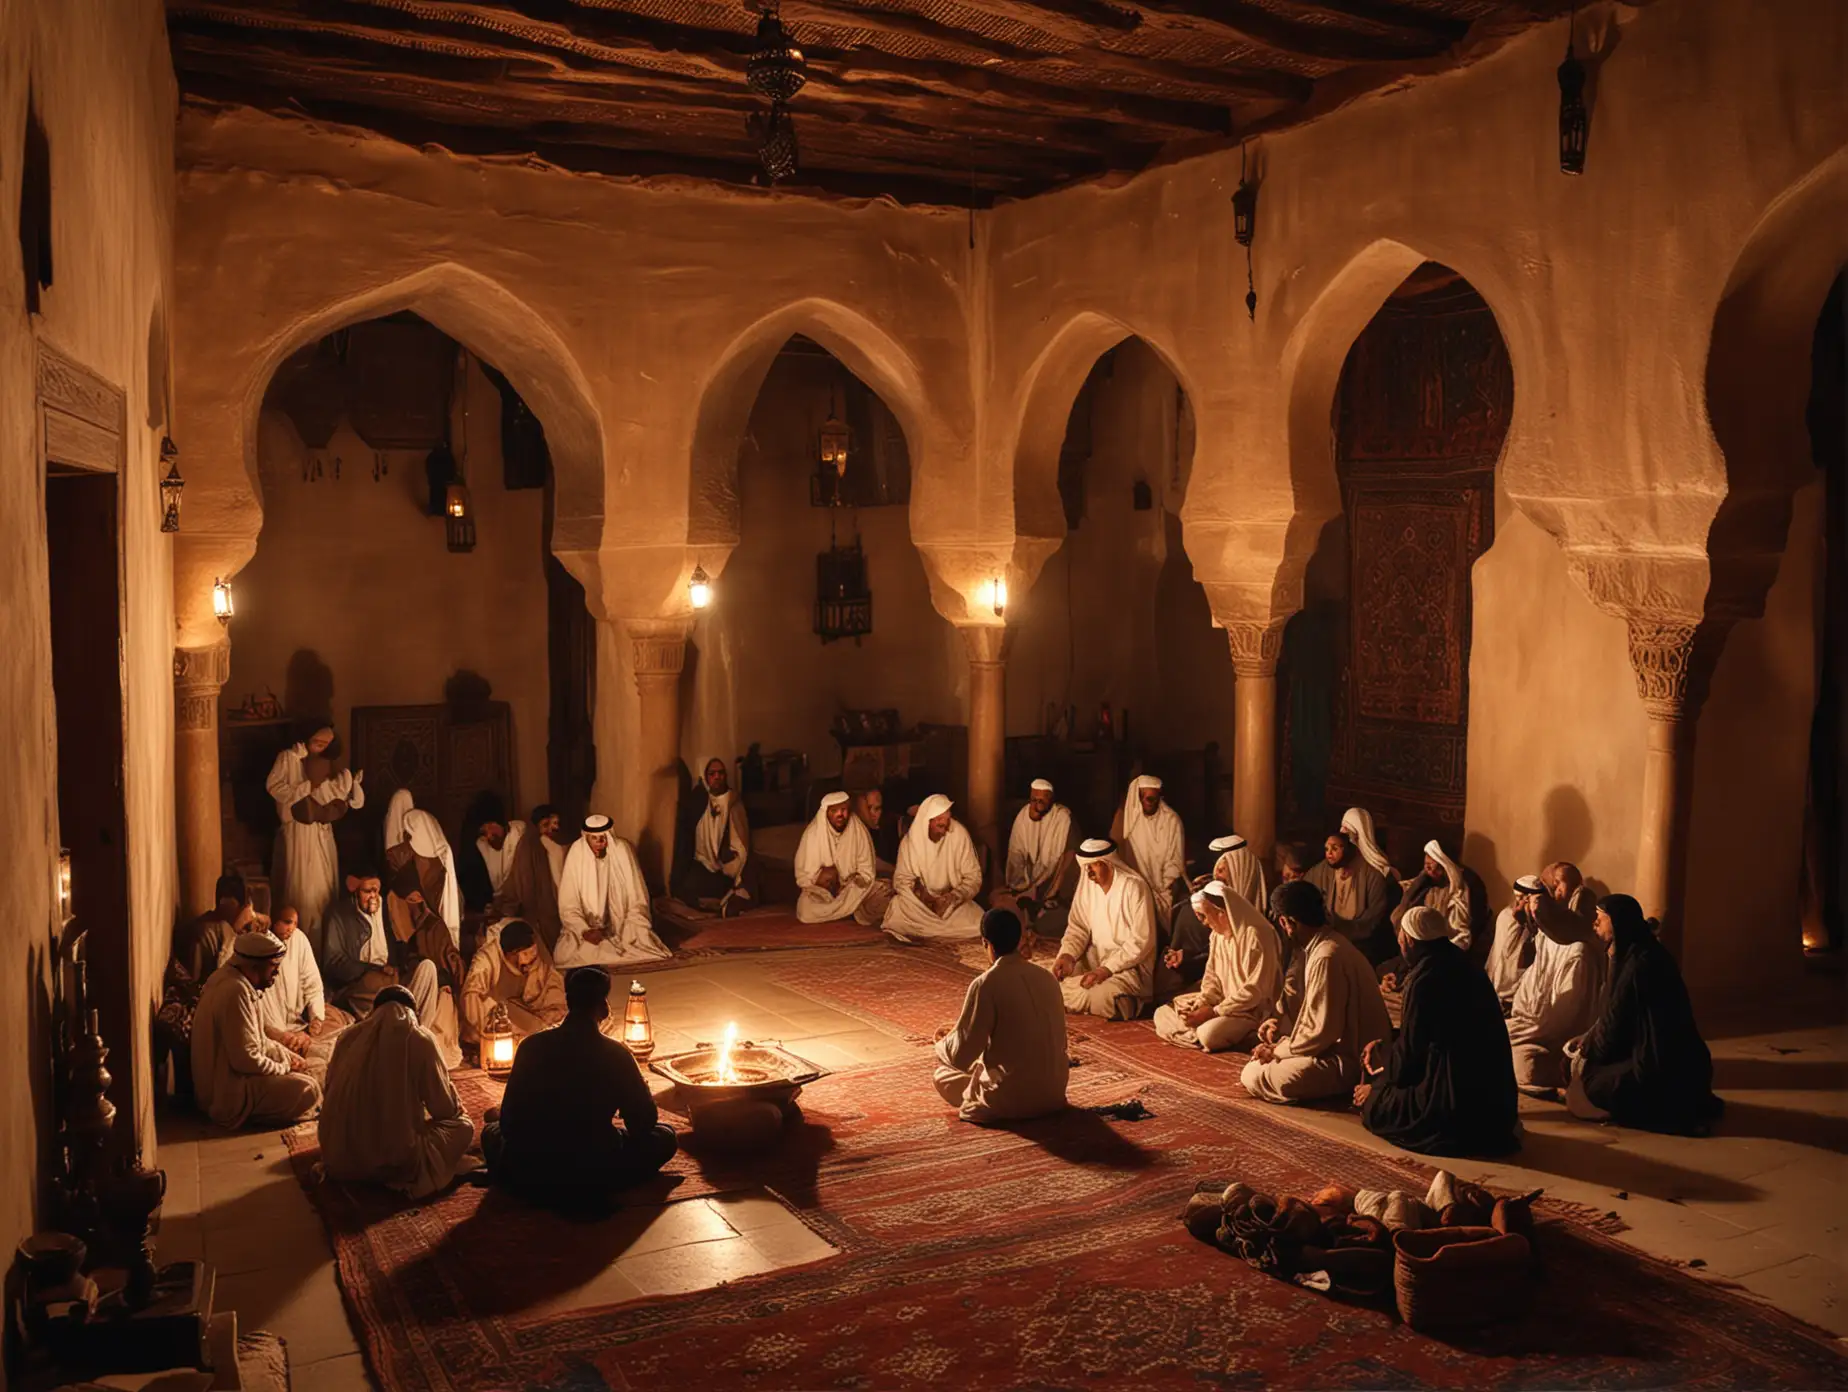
point(692, 933)
point(1048, 1256)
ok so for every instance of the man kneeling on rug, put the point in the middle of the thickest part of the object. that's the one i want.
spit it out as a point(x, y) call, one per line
point(392, 1116)
point(554, 1142)
point(1004, 1059)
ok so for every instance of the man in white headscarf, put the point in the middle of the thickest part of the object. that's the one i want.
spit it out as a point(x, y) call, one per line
point(1357, 826)
point(294, 1008)
point(1512, 952)
point(721, 875)
point(392, 1116)
point(1330, 1012)
point(1183, 958)
point(1106, 961)
point(1005, 1057)
point(497, 843)
point(305, 869)
point(1038, 875)
point(240, 1075)
point(1359, 900)
point(1559, 995)
point(424, 843)
point(1153, 844)
point(603, 918)
point(1239, 988)
point(836, 868)
point(936, 880)
point(400, 803)
point(1237, 867)
point(1441, 886)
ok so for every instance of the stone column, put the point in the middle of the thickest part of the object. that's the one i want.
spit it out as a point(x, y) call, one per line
point(199, 674)
point(1663, 655)
point(1255, 648)
point(987, 645)
point(657, 654)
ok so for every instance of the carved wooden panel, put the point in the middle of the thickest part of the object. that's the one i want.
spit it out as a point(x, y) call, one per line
point(444, 759)
point(81, 415)
point(1409, 576)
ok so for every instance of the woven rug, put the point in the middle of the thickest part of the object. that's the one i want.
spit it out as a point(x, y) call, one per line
point(1048, 1255)
point(696, 933)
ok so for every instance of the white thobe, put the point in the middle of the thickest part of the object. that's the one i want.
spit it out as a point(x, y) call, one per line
point(1112, 931)
point(1558, 999)
point(240, 1073)
point(606, 893)
point(1242, 872)
point(1036, 848)
point(1006, 1058)
point(501, 861)
point(306, 866)
point(949, 866)
point(1244, 974)
point(1333, 1010)
point(850, 852)
point(295, 997)
point(392, 1116)
point(724, 814)
point(1512, 936)
point(1153, 847)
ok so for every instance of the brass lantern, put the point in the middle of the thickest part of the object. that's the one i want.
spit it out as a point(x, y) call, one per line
point(1574, 120)
point(637, 1028)
point(170, 485)
point(835, 440)
point(699, 588)
point(222, 606)
point(497, 1042)
point(995, 592)
point(458, 518)
point(1245, 226)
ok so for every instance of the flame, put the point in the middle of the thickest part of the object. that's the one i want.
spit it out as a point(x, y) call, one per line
point(727, 1073)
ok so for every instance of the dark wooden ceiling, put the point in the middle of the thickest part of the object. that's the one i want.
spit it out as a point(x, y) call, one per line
point(942, 101)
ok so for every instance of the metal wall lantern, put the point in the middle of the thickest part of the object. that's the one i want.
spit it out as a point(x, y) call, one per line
point(776, 68)
point(843, 600)
point(170, 485)
point(994, 593)
point(1574, 119)
point(1245, 225)
point(699, 588)
point(458, 518)
point(223, 608)
point(831, 456)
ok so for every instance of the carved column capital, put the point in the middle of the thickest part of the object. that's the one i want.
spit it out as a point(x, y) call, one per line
point(1255, 647)
point(658, 647)
point(1666, 655)
point(199, 674)
point(986, 644)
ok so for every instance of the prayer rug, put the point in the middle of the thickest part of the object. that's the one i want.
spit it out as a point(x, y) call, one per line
point(1049, 1254)
point(695, 933)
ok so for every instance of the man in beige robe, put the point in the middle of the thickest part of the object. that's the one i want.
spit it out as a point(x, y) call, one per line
point(1356, 897)
point(1005, 1057)
point(1152, 842)
point(392, 1116)
point(512, 969)
point(722, 874)
point(936, 881)
point(241, 1076)
point(1244, 974)
point(1040, 872)
point(1106, 961)
point(294, 1009)
point(530, 889)
point(1331, 1010)
point(837, 869)
point(309, 798)
point(1512, 951)
point(1558, 997)
point(1443, 887)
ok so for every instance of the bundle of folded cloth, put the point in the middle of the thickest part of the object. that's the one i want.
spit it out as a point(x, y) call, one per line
point(1342, 1240)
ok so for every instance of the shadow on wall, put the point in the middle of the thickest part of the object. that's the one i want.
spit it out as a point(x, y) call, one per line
point(1480, 855)
point(308, 687)
point(1568, 833)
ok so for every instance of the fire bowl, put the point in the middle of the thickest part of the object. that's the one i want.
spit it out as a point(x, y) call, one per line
point(764, 1073)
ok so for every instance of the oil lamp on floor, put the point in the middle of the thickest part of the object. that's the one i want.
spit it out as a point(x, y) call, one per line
point(497, 1043)
point(637, 1029)
point(738, 1092)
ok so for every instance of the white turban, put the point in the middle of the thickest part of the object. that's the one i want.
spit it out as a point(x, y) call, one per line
point(256, 946)
point(1213, 890)
point(1426, 925)
point(1040, 785)
point(834, 799)
point(597, 824)
point(1529, 884)
point(1225, 843)
point(1097, 848)
point(1451, 870)
point(1357, 823)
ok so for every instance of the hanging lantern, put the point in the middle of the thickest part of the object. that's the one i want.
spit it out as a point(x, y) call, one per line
point(637, 1029)
point(1574, 120)
point(222, 606)
point(497, 1042)
point(64, 886)
point(699, 590)
point(458, 518)
point(776, 68)
point(170, 485)
point(835, 440)
point(775, 135)
point(1245, 226)
point(994, 593)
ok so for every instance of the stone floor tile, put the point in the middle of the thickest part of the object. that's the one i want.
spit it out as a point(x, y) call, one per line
point(301, 1304)
point(791, 1243)
point(747, 1212)
point(701, 1266)
point(344, 1373)
point(1811, 1288)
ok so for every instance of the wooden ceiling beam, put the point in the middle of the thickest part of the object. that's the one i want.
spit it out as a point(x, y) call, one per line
point(1241, 22)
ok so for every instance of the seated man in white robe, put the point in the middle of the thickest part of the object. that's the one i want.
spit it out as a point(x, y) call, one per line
point(306, 863)
point(937, 879)
point(1237, 867)
point(722, 874)
point(1153, 844)
point(1041, 870)
point(511, 969)
point(294, 1009)
point(1182, 963)
point(836, 868)
point(1558, 997)
point(1244, 974)
point(1106, 961)
point(483, 867)
point(1442, 886)
point(1567, 886)
point(392, 1116)
point(1331, 1010)
point(1512, 952)
point(603, 917)
point(1357, 826)
point(1005, 1058)
point(242, 1077)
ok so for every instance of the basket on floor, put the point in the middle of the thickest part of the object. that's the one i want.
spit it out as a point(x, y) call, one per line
point(1459, 1278)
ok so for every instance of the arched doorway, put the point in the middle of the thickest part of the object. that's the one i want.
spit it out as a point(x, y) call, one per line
point(1375, 668)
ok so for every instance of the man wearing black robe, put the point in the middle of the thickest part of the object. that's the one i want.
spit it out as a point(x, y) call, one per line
point(554, 1142)
point(1643, 1064)
point(1446, 1084)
